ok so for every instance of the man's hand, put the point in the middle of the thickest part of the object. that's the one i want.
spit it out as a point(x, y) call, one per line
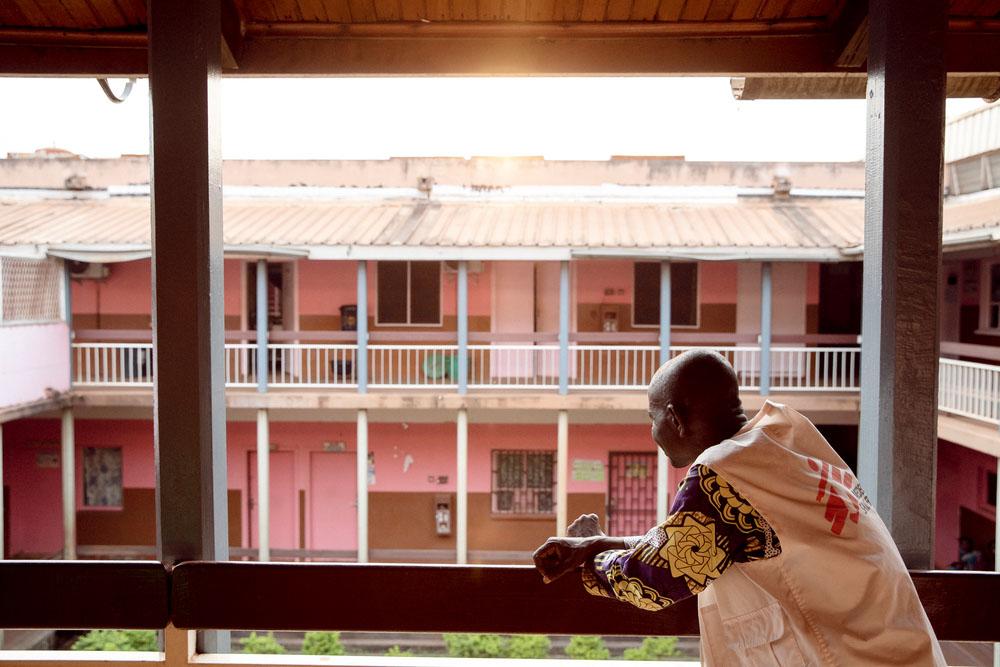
point(560, 555)
point(586, 525)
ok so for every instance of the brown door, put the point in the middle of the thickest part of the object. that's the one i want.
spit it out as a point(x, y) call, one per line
point(631, 492)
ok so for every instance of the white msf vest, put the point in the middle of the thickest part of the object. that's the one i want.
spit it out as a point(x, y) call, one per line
point(838, 594)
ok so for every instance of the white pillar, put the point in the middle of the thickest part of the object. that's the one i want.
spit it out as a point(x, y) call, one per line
point(462, 487)
point(263, 487)
point(68, 461)
point(362, 472)
point(562, 472)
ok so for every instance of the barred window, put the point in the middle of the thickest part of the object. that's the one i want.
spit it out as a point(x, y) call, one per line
point(29, 290)
point(523, 481)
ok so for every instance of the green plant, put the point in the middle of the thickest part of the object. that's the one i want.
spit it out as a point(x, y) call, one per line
point(396, 652)
point(262, 644)
point(470, 645)
point(587, 648)
point(528, 646)
point(654, 648)
point(322, 643)
point(117, 640)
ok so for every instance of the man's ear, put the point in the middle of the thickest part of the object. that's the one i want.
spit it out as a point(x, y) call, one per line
point(675, 421)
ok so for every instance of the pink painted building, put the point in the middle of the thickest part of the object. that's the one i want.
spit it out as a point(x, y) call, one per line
point(397, 408)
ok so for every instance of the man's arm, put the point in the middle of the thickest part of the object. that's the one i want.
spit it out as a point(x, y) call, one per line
point(677, 559)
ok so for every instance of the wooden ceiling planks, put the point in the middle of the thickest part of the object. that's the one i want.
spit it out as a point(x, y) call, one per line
point(670, 10)
point(644, 10)
point(695, 10)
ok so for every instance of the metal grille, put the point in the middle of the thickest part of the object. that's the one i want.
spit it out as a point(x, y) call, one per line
point(631, 493)
point(29, 290)
point(523, 481)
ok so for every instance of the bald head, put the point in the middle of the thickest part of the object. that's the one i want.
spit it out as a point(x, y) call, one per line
point(696, 398)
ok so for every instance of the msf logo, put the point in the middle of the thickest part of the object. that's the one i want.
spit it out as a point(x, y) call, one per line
point(843, 505)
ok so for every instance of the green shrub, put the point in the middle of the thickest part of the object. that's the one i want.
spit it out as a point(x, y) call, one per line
point(654, 648)
point(528, 646)
point(322, 643)
point(262, 644)
point(470, 645)
point(396, 652)
point(587, 648)
point(117, 640)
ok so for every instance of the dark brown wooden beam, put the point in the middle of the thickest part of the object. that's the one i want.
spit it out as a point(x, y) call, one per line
point(851, 46)
point(74, 594)
point(232, 35)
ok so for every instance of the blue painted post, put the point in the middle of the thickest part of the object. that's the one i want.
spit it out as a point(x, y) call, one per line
point(263, 364)
point(68, 316)
point(463, 327)
point(765, 328)
point(362, 317)
point(665, 317)
point(564, 327)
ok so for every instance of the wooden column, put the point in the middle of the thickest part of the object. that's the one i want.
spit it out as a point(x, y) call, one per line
point(899, 358)
point(67, 461)
point(189, 405)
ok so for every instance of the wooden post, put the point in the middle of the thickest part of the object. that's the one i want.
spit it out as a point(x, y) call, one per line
point(68, 465)
point(462, 487)
point(463, 327)
point(361, 367)
point(189, 407)
point(899, 352)
point(765, 328)
point(564, 310)
point(662, 492)
point(562, 472)
point(362, 485)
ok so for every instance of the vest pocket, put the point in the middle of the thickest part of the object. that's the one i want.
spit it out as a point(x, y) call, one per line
point(761, 637)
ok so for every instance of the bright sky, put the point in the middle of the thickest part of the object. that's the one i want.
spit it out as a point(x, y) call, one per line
point(377, 118)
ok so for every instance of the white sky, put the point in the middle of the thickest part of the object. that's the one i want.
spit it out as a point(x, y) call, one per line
point(378, 118)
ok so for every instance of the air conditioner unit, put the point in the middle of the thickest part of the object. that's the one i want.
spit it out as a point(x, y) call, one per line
point(474, 266)
point(88, 271)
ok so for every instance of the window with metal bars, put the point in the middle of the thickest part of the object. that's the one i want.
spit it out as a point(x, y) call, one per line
point(29, 290)
point(523, 481)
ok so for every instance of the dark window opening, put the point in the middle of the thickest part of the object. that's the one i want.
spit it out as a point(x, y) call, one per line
point(683, 294)
point(275, 295)
point(409, 293)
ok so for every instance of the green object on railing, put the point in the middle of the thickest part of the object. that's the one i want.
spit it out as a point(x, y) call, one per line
point(438, 365)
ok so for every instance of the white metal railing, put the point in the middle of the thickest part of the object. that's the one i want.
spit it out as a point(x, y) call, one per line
point(113, 364)
point(513, 366)
point(612, 366)
point(969, 389)
point(412, 366)
point(312, 365)
point(241, 365)
point(815, 368)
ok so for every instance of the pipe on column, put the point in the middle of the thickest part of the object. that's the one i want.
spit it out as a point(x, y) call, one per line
point(562, 474)
point(462, 487)
point(362, 486)
point(362, 327)
point(765, 328)
point(68, 460)
point(564, 308)
point(263, 487)
point(662, 497)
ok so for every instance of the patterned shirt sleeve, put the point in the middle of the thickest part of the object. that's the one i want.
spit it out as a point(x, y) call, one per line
point(710, 527)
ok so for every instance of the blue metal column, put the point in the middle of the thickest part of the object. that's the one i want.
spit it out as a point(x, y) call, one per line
point(362, 321)
point(68, 315)
point(263, 364)
point(564, 308)
point(662, 497)
point(463, 327)
point(765, 328)
point(263, 424)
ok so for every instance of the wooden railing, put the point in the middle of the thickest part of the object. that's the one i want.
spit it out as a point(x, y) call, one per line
point(962, 606)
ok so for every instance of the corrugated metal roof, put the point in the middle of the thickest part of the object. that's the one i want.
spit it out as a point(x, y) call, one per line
point(790, 227)
point(972, 133)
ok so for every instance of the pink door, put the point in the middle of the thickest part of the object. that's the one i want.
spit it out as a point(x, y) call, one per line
point(333, 506)
point(284, 509)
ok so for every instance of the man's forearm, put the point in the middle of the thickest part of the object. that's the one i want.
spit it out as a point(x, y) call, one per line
point(600, 543)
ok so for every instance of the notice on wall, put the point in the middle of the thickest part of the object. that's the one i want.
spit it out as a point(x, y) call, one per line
point(588, 470)
point(46, 460)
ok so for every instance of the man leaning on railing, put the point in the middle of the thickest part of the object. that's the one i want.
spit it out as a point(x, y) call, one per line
point(770, 528)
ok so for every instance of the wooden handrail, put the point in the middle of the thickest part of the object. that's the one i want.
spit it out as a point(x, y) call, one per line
point(962, 606)
point(52, 594)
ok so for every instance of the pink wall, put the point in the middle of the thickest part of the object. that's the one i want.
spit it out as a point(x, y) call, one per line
point(812, 283)
point(717, 281)
point(326, 286)
point(33, 358)
point(960, 483)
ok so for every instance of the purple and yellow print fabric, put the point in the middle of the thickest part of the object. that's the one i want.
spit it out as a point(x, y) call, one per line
point(710, 527)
